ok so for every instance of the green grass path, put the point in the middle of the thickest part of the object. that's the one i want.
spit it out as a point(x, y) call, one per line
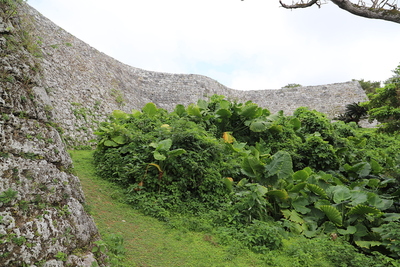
point(148, 241)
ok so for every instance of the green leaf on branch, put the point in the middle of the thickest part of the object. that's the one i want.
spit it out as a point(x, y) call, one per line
point(110, 143)
point(362, 210)
point(296, 188)
point(258, 126)
point(194, 110)
point(250, 111)
point(332, 213)
point(281, 194)
point(150, 109)
point(180, 110)
point(293, 216)
point(301, 175)
point(300, 204)
point(349, 231)
point(317, 190)
point(368, 244)
point(158, 156)
point(176, 152)
point(119, 139)
point(296, 123)
point(280, 165)
point(341, 193)
point(252, 166)
point(119, 114)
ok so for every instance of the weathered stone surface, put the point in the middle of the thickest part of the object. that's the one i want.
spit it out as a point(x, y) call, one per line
point(42, 219)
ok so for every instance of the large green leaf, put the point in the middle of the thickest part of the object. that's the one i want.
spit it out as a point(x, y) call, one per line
point(379, 203)
point(349, 231)
point(261, 190)
point(362, 169)
point(135, 113)
point(202, 104)
point(317, 190)
point(296, 123)
point(238, 147)
point(163, 145)
point(242, 182)
point(120, 139)
point(300, 204)
point(281, 194)
point(276, 129)
point(358, 197)
point(375, 166)
point(391, 217)
point(280, 165)
point(224, 104)
point(250, 110)
point(293, 216)
point(119, 114)
point(224, 113)
point(158, 156)
point(150, 109)
point(194, 110)
point(252, 166)
point(300, 175)
point(341, 193)
point(332, 213)
point(367, 244)
point(110, 143)
point(361, 209)
point(176, 152)
point(258, 126)
point(362, 230)
point(180, 110)
point(296, 188)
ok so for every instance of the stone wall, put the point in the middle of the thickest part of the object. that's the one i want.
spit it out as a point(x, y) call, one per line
point(82, 86)
point(42, 219)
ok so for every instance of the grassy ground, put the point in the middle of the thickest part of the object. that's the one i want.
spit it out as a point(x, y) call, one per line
point(152, 243)
point(149, 242)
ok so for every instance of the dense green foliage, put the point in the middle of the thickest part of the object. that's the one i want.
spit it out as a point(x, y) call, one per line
point(255, 176)
point(186, 240)
point(384, 104)
point(368, 86)
point(354, 113)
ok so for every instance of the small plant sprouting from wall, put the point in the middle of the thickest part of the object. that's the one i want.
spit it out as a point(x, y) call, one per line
point(47, 110)
point(119, 96)
point(80, 113)
point(291, 85)
point(8, 195)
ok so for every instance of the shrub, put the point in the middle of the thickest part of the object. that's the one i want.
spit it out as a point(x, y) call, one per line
point(241, 167)
point(262, 236)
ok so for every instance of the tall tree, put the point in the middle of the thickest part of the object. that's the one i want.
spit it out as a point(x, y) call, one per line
point(384, 105)
point(373, 9)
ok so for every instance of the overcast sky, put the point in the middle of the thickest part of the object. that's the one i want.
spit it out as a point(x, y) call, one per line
point(250, 44)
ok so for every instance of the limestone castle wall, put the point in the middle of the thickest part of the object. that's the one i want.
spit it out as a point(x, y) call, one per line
point(82, 86)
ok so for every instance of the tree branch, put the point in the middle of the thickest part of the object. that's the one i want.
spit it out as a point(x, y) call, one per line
point(299, 5)
point(379, 9)
point(367, 12)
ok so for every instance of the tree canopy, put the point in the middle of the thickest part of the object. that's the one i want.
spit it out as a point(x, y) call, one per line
point(384, 104)
point(373, 9)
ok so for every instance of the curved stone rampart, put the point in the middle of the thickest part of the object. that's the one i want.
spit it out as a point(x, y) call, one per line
point(83, 86)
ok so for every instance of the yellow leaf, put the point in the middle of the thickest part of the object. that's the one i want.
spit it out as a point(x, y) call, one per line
point(228, 138)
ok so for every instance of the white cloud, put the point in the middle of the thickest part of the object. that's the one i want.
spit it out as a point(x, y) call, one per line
point(251, 44)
